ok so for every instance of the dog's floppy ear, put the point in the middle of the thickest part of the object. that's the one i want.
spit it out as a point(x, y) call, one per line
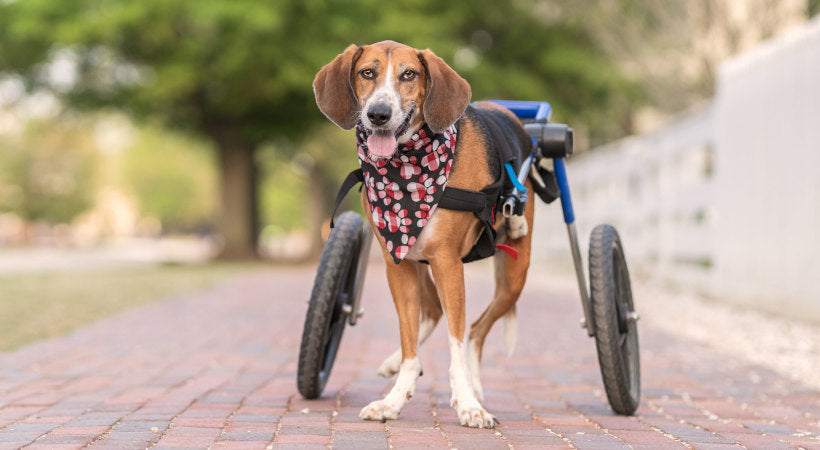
point(447, 93)
point(334, 90)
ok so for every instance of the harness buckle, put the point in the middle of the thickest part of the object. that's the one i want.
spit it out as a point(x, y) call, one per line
point(514, 203)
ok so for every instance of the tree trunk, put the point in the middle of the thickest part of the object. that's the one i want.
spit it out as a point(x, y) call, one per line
point(239, 217)
point(319, 209)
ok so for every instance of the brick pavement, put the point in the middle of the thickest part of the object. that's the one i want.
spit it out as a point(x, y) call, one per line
point(216, 369)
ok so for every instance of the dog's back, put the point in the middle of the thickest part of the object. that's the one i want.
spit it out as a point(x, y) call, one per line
point(504, 136)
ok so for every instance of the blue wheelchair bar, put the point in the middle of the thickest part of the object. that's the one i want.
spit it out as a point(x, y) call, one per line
point(554, 141)
point(527, 110)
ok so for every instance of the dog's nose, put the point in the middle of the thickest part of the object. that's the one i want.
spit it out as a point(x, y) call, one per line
point(379, 114)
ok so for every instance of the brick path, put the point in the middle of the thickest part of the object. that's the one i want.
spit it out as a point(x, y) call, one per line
point(216, 369)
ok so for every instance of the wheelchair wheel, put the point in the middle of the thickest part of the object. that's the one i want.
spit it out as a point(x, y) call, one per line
point(327, 314)
point(616, 332)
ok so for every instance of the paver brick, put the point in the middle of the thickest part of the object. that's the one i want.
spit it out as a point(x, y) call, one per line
point(245, 427)
point(247, 436)
point(55, 440)
point(302, 438)
point(217, 369)
point(241, 445)
point(80, 431)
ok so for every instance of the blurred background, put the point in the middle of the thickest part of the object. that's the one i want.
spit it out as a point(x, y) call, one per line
point(186, 130)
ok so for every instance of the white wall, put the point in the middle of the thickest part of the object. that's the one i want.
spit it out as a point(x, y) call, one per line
point(726, 199)
point(767, 111)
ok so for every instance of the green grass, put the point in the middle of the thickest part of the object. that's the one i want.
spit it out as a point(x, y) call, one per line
point(38, 306)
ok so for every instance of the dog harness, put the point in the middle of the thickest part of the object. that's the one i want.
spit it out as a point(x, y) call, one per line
point(404, 191)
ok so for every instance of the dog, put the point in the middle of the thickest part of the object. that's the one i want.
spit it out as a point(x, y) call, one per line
point(392, 93)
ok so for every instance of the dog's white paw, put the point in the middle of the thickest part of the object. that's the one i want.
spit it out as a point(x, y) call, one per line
point(517, 227)
point(379, 410)
point(390, 366)
point(474, 416)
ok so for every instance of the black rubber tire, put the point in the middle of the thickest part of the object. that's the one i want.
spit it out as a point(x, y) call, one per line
point(616, 333)
point(326, 319)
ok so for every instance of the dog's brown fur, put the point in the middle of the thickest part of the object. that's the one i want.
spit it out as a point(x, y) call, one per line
point(439, 97)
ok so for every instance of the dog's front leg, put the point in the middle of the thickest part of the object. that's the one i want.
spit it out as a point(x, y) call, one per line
point(430, 314)
point(448, 273)
point(404, 286)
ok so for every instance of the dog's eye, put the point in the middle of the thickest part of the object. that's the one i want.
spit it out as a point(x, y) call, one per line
point(408, 75)
point(367, 73)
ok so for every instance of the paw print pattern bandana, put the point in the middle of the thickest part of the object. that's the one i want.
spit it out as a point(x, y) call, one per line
point(403, 191)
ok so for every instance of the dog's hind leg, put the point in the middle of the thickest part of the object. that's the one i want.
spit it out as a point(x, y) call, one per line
point(430, 314)
point(404, 285)
point(510, 276)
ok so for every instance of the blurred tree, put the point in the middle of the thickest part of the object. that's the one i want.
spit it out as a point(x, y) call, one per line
point(239, 71)
point(673, 49)
point(173, 179)
point(812, 7)
point(47, 173)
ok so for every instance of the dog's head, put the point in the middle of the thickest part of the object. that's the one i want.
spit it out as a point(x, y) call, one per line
point(393, 89)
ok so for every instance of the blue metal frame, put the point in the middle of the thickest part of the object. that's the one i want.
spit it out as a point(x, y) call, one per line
point(527, 110)
point(563, 188)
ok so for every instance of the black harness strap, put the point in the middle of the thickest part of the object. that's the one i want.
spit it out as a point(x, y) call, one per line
point(463, 200)
point(547, 187)
point(353, 178)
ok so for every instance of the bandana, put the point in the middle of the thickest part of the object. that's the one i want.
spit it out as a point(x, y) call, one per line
point(403, 191)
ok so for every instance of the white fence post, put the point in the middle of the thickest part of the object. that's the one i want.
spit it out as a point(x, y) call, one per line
point(768, 165)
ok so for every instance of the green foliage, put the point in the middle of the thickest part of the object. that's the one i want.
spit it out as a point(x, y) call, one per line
point(813, 7)
point(173, 177)
point(48, 172)
point(244, 68)
point(281, 201)
point(324, 158)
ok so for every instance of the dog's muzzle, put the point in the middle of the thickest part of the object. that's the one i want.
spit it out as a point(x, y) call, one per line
point(381, 144)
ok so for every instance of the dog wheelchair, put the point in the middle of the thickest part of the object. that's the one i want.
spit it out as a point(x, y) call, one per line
point(608, 308)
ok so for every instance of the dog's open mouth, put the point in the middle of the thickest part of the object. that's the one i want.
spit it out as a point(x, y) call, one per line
point(382, 143)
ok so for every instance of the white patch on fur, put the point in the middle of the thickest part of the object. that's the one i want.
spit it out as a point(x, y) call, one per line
point(469, 410)
point(387, 93)
point(390, 366)
point(390, 406)
point(517, 227)
point(510, 330)
point(475, 370)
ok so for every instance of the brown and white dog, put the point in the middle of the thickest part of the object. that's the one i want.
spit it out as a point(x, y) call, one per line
point(394, 90)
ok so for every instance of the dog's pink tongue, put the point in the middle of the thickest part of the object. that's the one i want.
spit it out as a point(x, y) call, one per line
point(381, 144)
